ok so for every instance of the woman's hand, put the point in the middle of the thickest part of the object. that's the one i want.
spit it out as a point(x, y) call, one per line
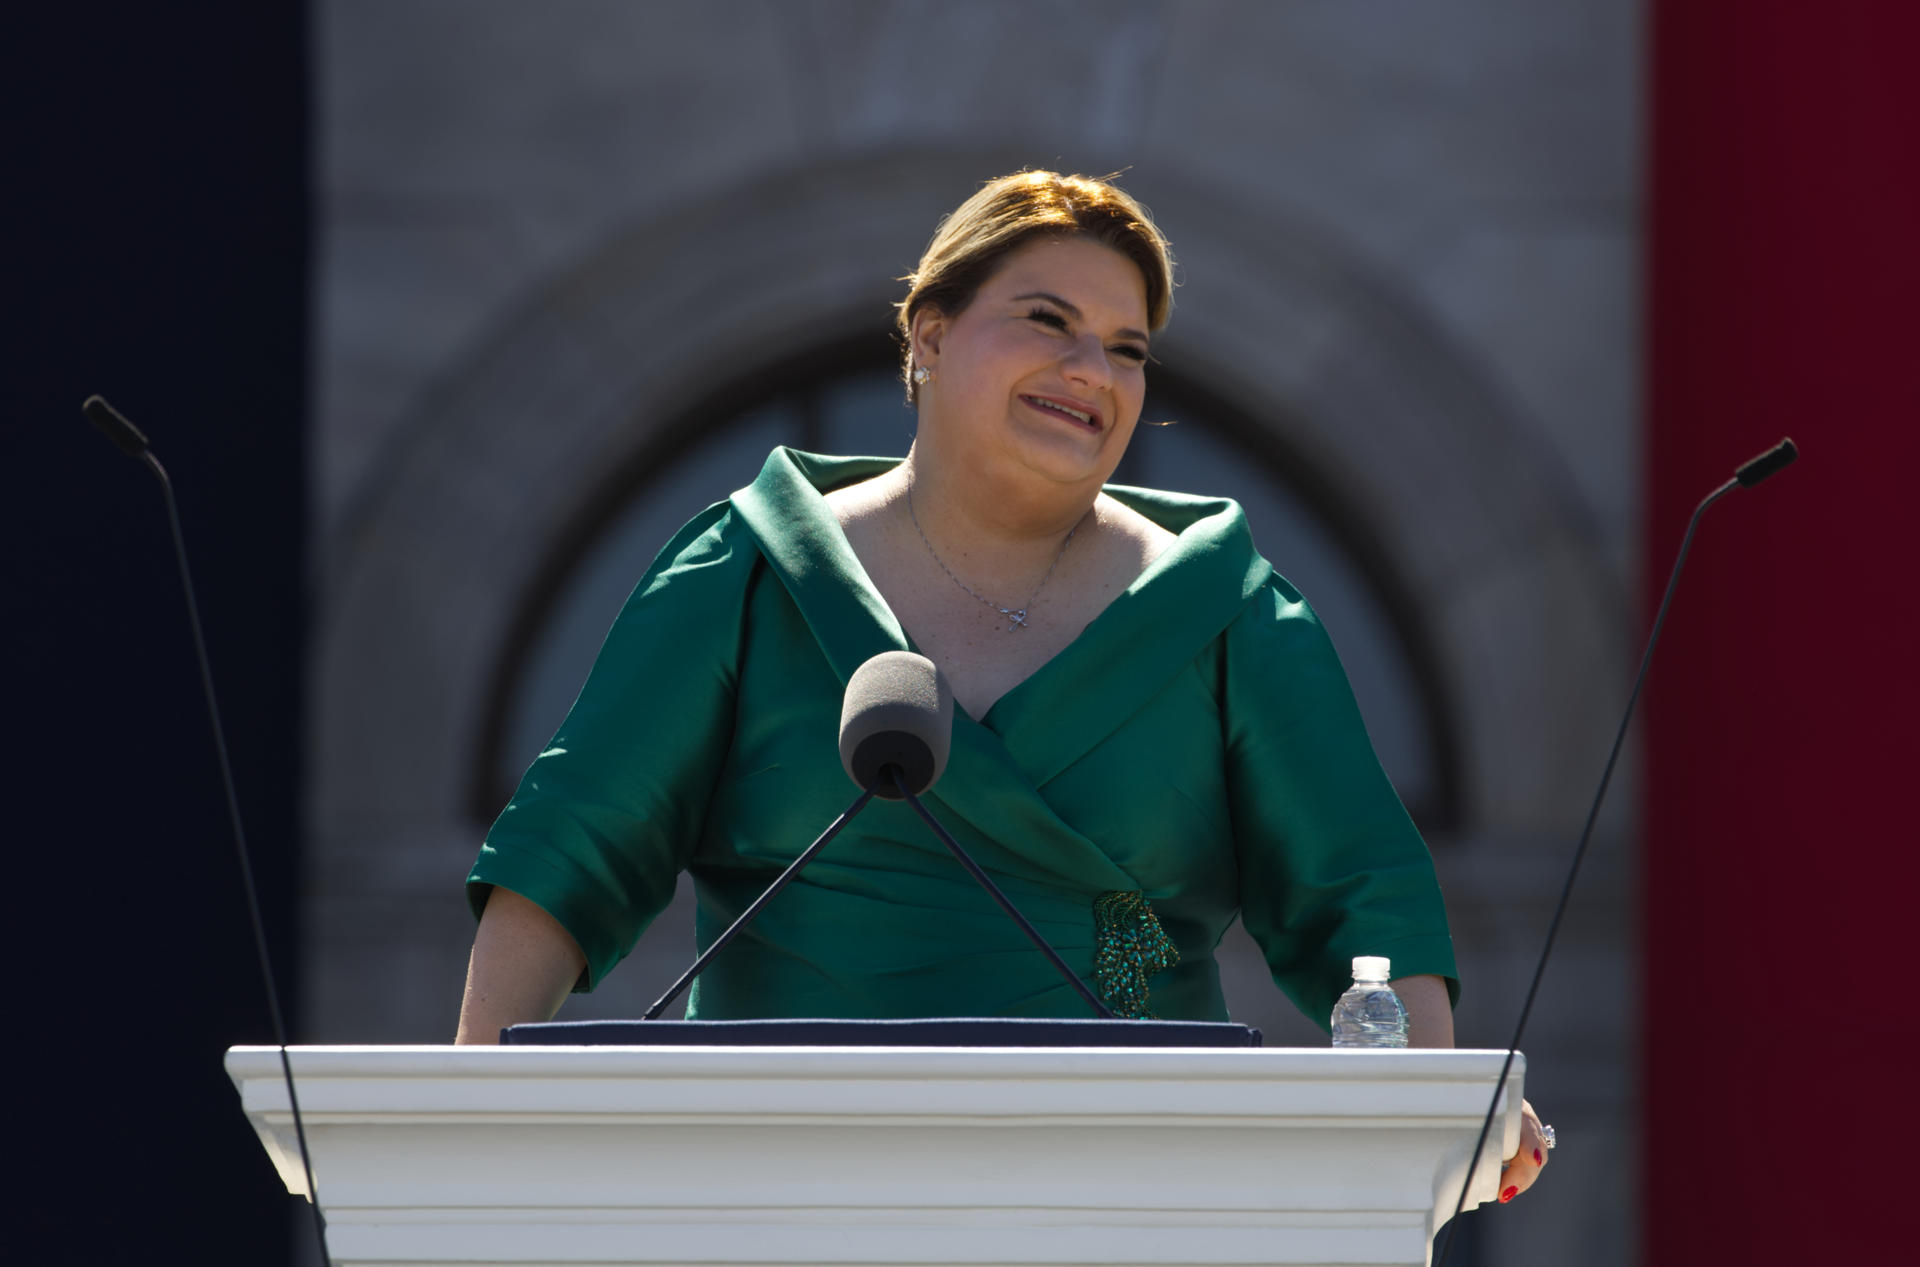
point(1430, 1024)
point(1525, 1166)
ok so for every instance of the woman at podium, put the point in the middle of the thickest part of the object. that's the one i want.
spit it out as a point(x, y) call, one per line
point(1153, 734)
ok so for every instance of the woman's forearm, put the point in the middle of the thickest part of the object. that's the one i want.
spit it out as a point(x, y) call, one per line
point(522, 967)
point(1429, 1013)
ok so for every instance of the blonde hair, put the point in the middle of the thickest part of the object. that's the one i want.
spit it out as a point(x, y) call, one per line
point(1006, 214)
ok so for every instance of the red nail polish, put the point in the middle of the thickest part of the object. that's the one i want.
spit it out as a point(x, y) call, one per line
point(1538, 1160)
point(1509, 1195)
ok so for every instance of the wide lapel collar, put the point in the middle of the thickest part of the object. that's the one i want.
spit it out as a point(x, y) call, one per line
point(983, 785)
point(803, 544)
point(1143, 638)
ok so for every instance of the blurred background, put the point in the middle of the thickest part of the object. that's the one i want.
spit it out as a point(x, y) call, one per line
point(445, 315)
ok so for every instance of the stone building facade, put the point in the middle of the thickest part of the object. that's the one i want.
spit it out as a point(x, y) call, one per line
point(578, 264)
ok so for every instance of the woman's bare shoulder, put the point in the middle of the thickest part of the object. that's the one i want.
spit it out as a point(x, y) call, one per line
point(857, 504)
point(1145, 538)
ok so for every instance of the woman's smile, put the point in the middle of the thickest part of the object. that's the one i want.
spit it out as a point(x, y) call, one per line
point(1066, 409)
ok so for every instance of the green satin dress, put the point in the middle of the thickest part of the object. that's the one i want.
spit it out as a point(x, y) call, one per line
point(1194, 755)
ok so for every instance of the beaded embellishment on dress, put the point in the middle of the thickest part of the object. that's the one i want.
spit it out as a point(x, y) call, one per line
point(1129, 946)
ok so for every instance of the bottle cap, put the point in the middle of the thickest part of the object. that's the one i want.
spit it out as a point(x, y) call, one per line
point(1371, 967)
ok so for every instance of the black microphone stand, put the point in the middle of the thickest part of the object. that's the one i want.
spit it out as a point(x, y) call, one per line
point(1749, 474)
point(893, 774)
point(781, 882)
point(131, 441)
point(1100, 1009)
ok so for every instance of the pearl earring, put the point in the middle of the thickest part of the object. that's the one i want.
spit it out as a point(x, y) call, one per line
point(922, 375)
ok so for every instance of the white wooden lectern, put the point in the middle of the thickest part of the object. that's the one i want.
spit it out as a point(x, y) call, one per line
point(844, 1155)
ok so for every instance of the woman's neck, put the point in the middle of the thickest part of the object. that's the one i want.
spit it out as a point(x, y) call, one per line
point(998, 507)
point(996, 527)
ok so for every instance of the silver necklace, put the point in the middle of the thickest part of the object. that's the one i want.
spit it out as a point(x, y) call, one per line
point(1016, 616)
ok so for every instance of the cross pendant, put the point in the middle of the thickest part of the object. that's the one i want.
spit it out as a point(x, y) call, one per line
point(1019, 618)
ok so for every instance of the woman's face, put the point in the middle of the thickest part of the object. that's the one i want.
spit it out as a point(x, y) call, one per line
point(1045, 370)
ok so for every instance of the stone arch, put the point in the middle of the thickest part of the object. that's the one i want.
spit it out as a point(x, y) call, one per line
point(1275, 317)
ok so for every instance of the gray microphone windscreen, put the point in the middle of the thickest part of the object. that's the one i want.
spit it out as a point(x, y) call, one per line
point(898, 711)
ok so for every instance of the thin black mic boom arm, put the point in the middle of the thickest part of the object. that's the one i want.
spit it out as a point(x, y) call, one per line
point(1100, 1009)
point(893, 775)
point(1749, 474)
point(896, 724)
point(133, 443)
point(785, 877)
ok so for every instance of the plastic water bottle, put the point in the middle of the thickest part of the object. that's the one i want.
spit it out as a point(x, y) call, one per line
point(1370, 1014)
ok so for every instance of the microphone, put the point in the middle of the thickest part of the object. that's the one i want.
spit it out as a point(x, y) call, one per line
point(133, 442)
point(1749, 473)
point(896, 729)
point(130, 439)
point(898, 712)
point(1757, 469)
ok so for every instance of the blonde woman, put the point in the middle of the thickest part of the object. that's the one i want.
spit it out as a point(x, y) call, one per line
point(1153, 733)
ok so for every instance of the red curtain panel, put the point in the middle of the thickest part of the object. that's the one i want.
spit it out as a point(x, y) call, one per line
point(1781, 1033)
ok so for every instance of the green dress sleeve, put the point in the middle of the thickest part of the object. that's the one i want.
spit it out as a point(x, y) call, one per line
point(1330, 864)
point(605, 818)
